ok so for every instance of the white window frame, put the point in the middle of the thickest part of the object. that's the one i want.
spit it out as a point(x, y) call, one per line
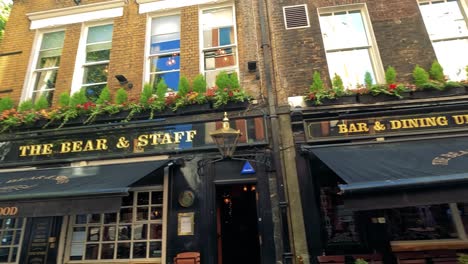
point(28, 86)
point(19, 246)
point(146, 6)
point(464, 12)
point(234, 46)
point(80, 61)
point(165, 189)
point(374, 53)
point(148, 56)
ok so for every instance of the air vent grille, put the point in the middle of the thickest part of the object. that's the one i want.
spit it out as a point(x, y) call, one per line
point(295, 16)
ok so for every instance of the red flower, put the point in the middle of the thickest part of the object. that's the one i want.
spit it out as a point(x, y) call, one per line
point(88, 105)
point(311, 96)
point(231, 94)
point(392, 86)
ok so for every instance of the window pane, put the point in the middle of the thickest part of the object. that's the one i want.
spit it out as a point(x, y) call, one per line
point(143, 198)
point(171, 79)
point(93, 233)
point(100, 34)
point(14, 254)
point(49, 58)
point(156, 231)
point(156, 212)
point(110, 218)
point(127, 200)
point(166, 62)
point(156, 198)
point(453, 57)
point(139, 231)
point(139, 250)
point(95, 73)
point(165, 34)
point(45, 80)
point(421, 223)
point(52, 40)
point(107, 251)
point(92, 251)
point(109, 233)
point(94, 218)
point(93, 91)
point(155, 250)
point(123, 250)
point(463, 208)
point(444, 19)
point(215, 59)
point(126, 215)
point(6, 238)
point(142, 213)
point(48, 94)
point(125, 232)
point(351, 66)
point(98, 52)
point(218, 27)
point(81, 219)
point(4, 253)
point(343, 30)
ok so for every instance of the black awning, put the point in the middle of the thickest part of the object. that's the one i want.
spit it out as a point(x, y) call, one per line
point(70, 190)
point(402, 167)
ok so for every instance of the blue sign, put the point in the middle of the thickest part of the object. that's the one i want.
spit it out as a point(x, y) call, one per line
point(247, 169)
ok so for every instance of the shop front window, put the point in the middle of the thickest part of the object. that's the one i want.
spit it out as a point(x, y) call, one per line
point(421, 223)
point(11, 235)
point(339, 223)
point(135, 232)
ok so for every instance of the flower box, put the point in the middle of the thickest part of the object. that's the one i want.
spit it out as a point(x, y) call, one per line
point(194, 109)
point(348, 99)
point(230, 106)
point(373, 99)
point(421, 94)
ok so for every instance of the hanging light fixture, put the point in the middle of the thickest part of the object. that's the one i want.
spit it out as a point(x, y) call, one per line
point(226, 138)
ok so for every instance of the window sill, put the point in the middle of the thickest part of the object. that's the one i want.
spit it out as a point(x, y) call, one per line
point(398, 246)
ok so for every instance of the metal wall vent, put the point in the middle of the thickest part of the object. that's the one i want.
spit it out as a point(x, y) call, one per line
point(295, 16)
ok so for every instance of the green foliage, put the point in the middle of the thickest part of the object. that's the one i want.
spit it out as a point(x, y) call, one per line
point(222, 80)
point(64, 99)
point(104, 96)
point(390, 75)
point(317, 83)
point(466, 69)
point(78, 98)
point(233, 81)
point(199, 84)
point(437, 72)
point(6, 104)
point(121, 96)
point(161, 89)
point(4, 13)
point(27, 105)
point(368, 80)
point(184, 86)
point(41, 103)
point(420, 76)
point(463, 259)
point(337, 86)
point(360, 261)
point(146, 94)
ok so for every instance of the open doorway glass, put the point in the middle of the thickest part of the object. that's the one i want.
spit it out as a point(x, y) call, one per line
point(238, 240)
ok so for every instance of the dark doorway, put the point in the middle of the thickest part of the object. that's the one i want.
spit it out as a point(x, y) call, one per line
point(41, 240)
point(238, 240)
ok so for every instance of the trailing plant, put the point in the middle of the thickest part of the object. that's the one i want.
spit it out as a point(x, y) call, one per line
point(436, 72)
point(390, 75)
point(6, 103)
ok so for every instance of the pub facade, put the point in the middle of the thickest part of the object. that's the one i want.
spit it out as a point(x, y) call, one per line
point(137, 185)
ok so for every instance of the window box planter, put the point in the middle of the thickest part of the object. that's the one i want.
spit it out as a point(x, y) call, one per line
point(194, 109)
point(454, 91)
point(348, 99)
point(230, 106)
point(372, 99)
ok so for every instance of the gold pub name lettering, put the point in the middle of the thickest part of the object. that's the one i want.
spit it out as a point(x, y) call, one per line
point(410, 123)
point(102, 143)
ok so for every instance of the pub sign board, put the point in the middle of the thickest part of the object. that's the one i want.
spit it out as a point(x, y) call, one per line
point(339, 129)
point(126, 142)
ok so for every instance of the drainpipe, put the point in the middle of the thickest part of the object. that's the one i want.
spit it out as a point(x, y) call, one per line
point(275, 128)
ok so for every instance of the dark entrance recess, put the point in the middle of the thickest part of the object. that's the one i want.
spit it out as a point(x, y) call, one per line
point(41, 240)
point(238, 240)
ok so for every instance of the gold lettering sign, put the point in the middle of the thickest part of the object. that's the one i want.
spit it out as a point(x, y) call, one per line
point(103, 144)
point(381, 126)
point(8, 211)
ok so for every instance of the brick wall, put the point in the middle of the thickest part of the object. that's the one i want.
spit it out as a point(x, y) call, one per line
point(398, 27)
point(128, 44)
